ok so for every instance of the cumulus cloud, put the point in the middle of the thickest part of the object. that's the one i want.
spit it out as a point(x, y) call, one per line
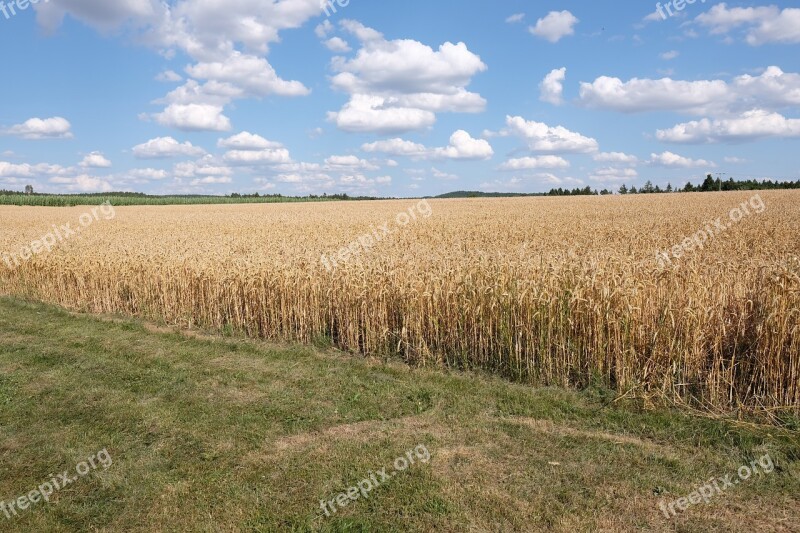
point(531, 163)
point(616, 157)
point(752, 125)
point(194, 117)
point(369, 114)
point(398, 147)
point(462, 147)
point(348, 162)
point(772, 89)
point(206, 167)
point(337, 44)
point(671, 160)
point(148, 174)
point(248, 141)
point(166, 147)
point(169, 76)
point(227, 43)
point(400, 85)
point(82, 183)
point(761, 25)
point(95, 160)
point(540, 137)
point(25, 170)
point(272, 156)
point(638, 95)
point(613, 174)
point(555, 26)
point(552, 87)
point(39, 128)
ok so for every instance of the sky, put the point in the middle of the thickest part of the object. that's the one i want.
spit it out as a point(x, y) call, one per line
point(403, 99)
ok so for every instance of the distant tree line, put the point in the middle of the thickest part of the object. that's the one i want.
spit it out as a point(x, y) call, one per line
point(586, 191)
point(712, 185)
point(709, 185)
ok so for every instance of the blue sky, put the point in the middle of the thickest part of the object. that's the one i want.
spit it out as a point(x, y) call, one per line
point(403, 98)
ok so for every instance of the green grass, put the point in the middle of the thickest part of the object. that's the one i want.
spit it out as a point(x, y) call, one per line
point(213, 434)
point(70, 200)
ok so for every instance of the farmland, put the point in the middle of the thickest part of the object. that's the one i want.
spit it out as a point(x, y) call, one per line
point(546, 291)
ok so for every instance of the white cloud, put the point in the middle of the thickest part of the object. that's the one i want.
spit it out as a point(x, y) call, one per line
point(212, 33)
point(348, 162)
point(462, 147)
point(194, 117)
point(165, 147)
point(38, 129)
point(324, 29)
point(671, 160)
point(148, 174)
point(555, 26)
point(169, 76)
point(438, 174)
point(552, 87)
point(82, 183)
point(751, 125)
point(95, 160)
point(257, 157)
point(513, 19)
point(540, 137)
point(25, 170)
point(211, 180)
point(369, 114)
point(531, 163)
point(400, 85)
point(762, 25)
point(254, 75)
point(736, 160)
point(397, 147)
point(668, 56)
point(248, 141)
point(337, 44)
point(206, 167)
point(612, 174)
point(773, 89)
point(639, 95)
point(616, 157)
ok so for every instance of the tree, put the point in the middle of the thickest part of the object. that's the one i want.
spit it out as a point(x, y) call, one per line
point(634, 191)
point(669, 187)
point(648, 188)
point(709, 184)
point(29, 189)
point(623, 189)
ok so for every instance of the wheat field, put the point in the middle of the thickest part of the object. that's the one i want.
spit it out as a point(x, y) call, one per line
point(555, 291)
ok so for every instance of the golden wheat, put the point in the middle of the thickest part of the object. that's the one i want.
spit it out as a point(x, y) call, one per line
point(548, 290)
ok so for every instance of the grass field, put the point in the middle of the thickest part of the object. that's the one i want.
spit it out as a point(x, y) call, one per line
point(228, 434)
point(548, 291)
